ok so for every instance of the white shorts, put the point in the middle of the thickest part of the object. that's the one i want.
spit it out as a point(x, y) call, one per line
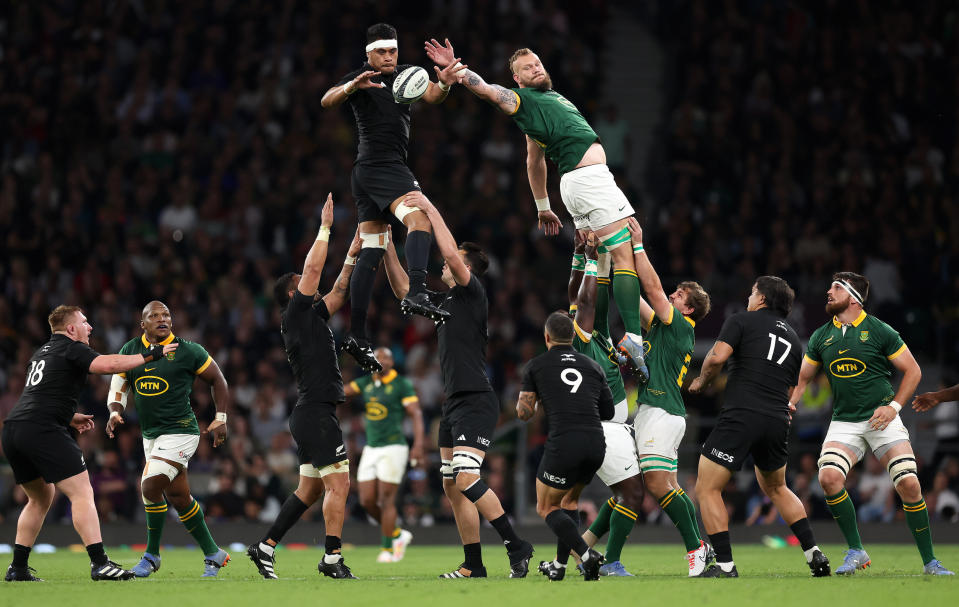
point(387, 463)
point(860, 436)
point(658, 435)
point(592, 197)
point(620, 460)
point(177, 448)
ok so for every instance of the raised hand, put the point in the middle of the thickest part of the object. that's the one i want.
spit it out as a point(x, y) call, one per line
point(356, 246)
point(441, 55)
point(112, 424)
point(450, 74)
point(549, 223)
point(635, 231)
point(218, 430)
point(592, 243)
point(81, 422)
point(326, 215)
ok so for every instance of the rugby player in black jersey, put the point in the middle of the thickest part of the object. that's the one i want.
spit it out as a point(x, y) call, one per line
point(471, 409)
point(764, 355)
point(380, 180)
point(39, 441)
point(575, 395)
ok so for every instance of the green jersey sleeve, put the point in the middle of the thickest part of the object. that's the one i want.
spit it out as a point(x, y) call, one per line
point(813, 353)
point(201, 359)
point(407, 392)
point(892, 343)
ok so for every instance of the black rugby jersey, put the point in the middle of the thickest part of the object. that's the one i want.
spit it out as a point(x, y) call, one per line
point(382, 124)
point(463, 338)
point(311, 351)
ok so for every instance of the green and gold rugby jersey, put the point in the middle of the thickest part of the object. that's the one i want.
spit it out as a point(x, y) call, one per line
point(593, 347)
point(857, 363)
point(669, 349)
point(555, 125)
point(386, 399)
point(161, 389)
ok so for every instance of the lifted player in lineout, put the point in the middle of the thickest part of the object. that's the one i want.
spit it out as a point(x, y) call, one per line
point(161, 394)
point(555, 128)
point(389, 398)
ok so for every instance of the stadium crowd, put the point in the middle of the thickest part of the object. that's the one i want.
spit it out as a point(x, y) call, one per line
point(156, 151)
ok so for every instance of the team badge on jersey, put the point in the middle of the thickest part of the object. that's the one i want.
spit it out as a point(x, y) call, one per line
point(863, 336)
point(169, 355)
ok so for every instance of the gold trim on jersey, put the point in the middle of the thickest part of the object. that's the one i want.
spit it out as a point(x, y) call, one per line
point(409, 400)
point(209, 359)
point(355, 386)
point(896, 354)
point(389, 376)
point(811, 361)
point(855, 323)
point(581, 334)
point(147, 344)
point(672, 311)
point(690, 321)
point(519, 102)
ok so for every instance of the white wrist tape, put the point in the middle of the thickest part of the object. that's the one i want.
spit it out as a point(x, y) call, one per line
point(114, 414)
point(349, 261)
point(118, 391)
point(542, 204)
point(324, 234)
point(443, 86)
point(220, 416)
point(346, 89)
point(895, 406)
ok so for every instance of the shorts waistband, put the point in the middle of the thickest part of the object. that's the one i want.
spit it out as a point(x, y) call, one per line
point(590, 169)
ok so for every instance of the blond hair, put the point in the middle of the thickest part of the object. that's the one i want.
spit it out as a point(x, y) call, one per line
point(59, 318)
point(519, 53)
point(696, 298)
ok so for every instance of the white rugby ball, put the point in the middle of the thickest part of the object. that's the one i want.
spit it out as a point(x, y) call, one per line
point(410, 84)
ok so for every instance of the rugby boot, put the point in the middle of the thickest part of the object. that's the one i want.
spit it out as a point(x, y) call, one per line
point(265, 561)
point(337, 570)
point(698, 559)
point(615, 569)
point(362, 352)
point(636, 362)
point(462, 572)
point(400, 544)
point(551, 571)
point(519, 560)
point(717, 571)
point(934, 567)
point(591, 565)
point(422, 305)
point(385, 556)
point(854, 559)
point(148, 564)
point(819, 565)
point(25, 574)
point(214, 562)
point(110, 571)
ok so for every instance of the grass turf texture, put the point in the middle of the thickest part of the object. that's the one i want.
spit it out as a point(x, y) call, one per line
point(770, 577)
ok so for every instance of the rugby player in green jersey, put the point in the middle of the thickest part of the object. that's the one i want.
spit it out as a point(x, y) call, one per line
point(589, 304)
point(389, 398)
point(660, 422)
point(161, 394)
point(858, 352)
point(554, 128)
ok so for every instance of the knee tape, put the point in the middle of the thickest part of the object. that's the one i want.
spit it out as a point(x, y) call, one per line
point(401, 211)
point(900, 467)
point(616, 239)
point(603, 265)
point(464, 461)
point(446, 469)
point(157, 467)
point(377, 240)
point(835, 459)
point(475, 491)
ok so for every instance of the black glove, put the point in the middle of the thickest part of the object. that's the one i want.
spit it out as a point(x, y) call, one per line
point(154, 354)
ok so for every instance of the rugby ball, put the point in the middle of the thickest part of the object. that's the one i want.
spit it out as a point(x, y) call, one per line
point(410, 84)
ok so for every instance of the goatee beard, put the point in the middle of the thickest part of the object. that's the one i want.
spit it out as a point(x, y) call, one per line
point(546, 85)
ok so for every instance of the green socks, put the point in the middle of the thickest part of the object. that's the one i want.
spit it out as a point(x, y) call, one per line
point(692, 512)
point(675, 508)
point(844, 512)
point(156, 516)
point(600, 525)
point(601, 318)
point(626, 292)
point(195, 524)
point(620, 524)
point(917, 517)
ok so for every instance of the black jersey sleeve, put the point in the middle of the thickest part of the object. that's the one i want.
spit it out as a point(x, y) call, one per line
point(321, 310)
point(81, 355)
point(607, 408)
point(529, 381)
point(475, 286)
point(732, 331)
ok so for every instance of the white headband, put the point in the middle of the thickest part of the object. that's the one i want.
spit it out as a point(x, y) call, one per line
point(380, 44)
point(849, 289)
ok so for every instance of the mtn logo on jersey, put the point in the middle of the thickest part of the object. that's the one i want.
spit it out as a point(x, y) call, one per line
point(375, 411)
point(845, 368)
point(151, 385)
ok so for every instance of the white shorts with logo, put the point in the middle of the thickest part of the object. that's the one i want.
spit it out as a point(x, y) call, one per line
point(386, 463)
point(658, 434)
point(592, 197)
point(861, 436)
point(620, 461)
point(177, 448)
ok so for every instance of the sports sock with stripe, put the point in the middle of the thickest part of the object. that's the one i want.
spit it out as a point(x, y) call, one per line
point(691, 508)
point(386, 543)
point(675, 508)
point(626, 291)
point(843, 510)
point(156, 517)
point(600, 526)
point(293, 508)
point(917, 517)
point(195, 524)
point(620, 524)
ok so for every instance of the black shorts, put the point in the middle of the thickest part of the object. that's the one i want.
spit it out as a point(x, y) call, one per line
point(571, 459)
point(741, 433)
point(469, 419)
point(316, 431)
point(47, 451)
point(375, 187)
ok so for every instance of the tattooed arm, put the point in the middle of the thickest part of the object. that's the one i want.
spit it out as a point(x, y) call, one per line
point(526, 405)
point(506, 100)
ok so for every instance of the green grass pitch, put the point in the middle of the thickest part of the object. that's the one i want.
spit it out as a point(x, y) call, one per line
point(769, 577)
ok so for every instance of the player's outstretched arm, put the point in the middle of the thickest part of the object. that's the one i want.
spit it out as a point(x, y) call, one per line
point(442, 55)
point(445, 79)
point(116, 402)
point(105, 364)
point(526, 405)
point(652, 285)
point(444, 238)
point(586, 297)
point(395, 272)
point(221, 400)
point(807, 373)
point(340, 292)
point(712, 364)
point(928, 400)
point(339, 93)
point(316, 258)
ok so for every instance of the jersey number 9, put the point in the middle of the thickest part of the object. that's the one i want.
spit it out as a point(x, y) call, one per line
point(571, 377)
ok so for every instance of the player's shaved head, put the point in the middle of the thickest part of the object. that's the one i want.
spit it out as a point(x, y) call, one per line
point(150, 306)
point(559, 328)
point(385, 357)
